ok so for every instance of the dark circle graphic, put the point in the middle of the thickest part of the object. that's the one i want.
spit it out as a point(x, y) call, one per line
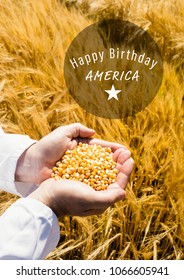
point(113, 69)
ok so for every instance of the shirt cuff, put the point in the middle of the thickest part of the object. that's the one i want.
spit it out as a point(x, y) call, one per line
point(12, 146)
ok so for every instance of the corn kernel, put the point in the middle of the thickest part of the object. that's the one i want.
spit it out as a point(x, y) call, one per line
point(90, 164)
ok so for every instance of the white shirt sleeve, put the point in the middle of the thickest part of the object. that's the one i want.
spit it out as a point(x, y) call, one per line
point(28, 228)
point(29, 231)
point(11, 148)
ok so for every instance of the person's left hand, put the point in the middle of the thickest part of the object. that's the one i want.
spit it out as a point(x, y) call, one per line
point(36, 163)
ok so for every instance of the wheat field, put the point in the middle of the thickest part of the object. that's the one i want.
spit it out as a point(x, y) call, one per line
point(34, 37)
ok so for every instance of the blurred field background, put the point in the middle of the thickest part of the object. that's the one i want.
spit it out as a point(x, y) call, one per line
point(34, 36)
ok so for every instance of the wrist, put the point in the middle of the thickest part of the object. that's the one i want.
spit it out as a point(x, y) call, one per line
point(45, 195)
point(26, 166)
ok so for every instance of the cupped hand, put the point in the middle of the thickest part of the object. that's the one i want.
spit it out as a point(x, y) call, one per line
point(36, 163)
point(68, 197)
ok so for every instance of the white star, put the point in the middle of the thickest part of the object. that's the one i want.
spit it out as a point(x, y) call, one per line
point(112, 93)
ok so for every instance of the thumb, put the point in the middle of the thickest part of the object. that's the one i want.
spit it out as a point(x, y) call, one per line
point(79, 130)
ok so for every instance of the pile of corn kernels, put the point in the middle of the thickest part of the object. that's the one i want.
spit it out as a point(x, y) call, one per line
point(90, 164)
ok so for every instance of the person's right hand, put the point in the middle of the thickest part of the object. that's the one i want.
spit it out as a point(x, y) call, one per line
point(68, 197)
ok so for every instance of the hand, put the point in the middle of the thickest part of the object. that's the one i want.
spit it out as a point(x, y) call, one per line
point(67, 197)
point(36, 163)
